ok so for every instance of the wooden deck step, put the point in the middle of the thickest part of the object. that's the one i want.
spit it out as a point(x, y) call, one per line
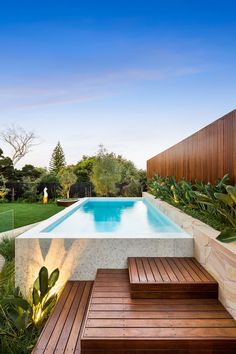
point(170, 277)
point(117, 324)
point(62, 332)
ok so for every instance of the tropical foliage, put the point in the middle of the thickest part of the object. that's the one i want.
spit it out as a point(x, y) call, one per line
point(224, 204)
point(21, 319)
point(217, 200)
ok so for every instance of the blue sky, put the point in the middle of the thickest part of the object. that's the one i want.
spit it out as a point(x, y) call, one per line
point(137, 76)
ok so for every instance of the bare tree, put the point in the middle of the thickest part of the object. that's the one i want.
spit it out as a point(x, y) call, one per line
point(19, 140)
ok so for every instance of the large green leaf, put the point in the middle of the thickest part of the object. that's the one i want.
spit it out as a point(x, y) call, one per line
point(20, 319)
point(49, 302)
point(43, 281)
point(13, 315)
point(223, 182)
point(202, 198)
point(16, 302)
point(228, 235)
point(53, 278)
point(232, 192)
point(35, 296)
point(36, 284)
point(225, 198)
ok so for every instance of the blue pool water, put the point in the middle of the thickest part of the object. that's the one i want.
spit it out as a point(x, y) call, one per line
point(122, 216)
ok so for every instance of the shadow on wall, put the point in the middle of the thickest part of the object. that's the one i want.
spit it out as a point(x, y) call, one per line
point(32, 254)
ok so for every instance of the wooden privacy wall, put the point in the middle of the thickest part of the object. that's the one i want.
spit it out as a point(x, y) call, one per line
point(206, 155)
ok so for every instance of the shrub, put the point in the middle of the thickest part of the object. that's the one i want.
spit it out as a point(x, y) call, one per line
point(21, 320)
point(30, 187)
point(3, 189)
point(7, 248)
point(7, 279)
point(67, 178)
point(218, 200)
point(224, 203)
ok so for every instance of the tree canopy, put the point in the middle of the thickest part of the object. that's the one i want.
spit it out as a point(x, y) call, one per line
point(58, 161)
point(66, 178)
point(6, 166)
point(83, 169)
point(113, 175)
point(105, 174)
point(20, 141)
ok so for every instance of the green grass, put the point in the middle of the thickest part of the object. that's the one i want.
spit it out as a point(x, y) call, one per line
point(25, 214)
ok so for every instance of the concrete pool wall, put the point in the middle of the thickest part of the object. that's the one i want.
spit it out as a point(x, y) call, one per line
point(78, 258)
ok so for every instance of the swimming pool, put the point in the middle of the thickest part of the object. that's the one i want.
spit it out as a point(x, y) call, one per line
point(98, 233)
point(117, 216)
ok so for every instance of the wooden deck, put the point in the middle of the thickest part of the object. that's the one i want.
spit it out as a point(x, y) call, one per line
point(102, 318)
point(62, 331)
point(117, 324)
point(170, 277)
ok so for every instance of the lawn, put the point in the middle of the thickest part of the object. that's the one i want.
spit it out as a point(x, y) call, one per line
point(24, 214)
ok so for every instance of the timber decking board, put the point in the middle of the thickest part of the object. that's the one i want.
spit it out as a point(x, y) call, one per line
point(121, 325)
point(170, 277)
point(62, 331)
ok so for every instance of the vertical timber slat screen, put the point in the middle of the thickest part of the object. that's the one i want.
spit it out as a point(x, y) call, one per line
point(206, 155)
